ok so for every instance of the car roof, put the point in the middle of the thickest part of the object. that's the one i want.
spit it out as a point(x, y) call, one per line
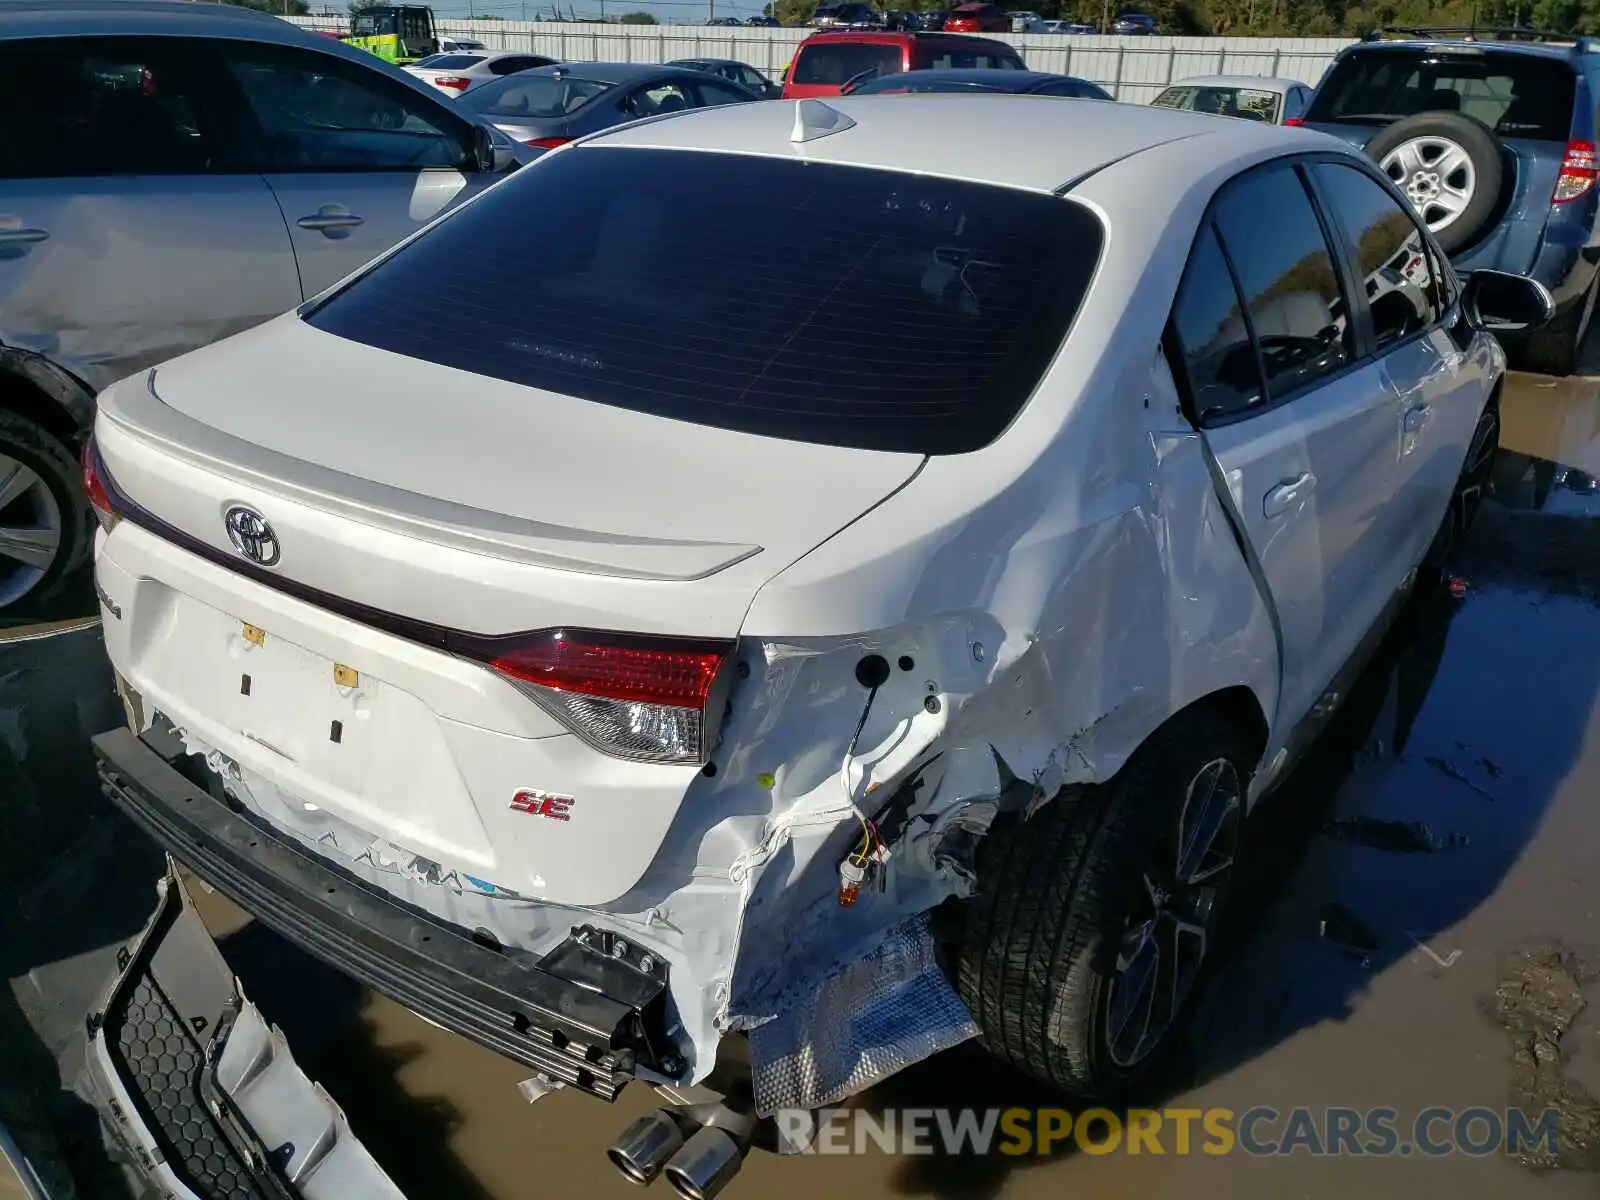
point(1263, 83)
point(1559, 51)
point(1017, 81)
point(1035, 143)
point(607, 72)
point(715, 62)
point(30, 18)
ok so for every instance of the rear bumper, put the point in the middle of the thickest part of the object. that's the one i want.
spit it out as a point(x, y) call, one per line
point(200, 1093)
point(579, 1015)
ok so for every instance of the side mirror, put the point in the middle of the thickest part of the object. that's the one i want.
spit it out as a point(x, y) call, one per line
point(490, 154)
point(1499, 302)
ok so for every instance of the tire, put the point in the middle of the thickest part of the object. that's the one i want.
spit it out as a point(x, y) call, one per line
point(1479, 471)
point(1410, 153)
point(1061, 896)
point(1557, 348)
point(53, 496)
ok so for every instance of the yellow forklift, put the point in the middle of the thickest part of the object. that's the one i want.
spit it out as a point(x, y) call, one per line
point(397, 33)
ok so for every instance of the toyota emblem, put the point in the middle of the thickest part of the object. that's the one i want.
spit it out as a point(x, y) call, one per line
point(251, 535)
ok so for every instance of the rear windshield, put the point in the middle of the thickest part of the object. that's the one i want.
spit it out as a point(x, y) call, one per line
point(1223, 101)
point(807, 301)
point(450, 62)
point(944, 56)
point(834, 63)
point(538, 96)
point(1516, 95)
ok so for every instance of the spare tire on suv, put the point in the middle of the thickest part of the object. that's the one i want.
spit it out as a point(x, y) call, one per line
point(1450, 167)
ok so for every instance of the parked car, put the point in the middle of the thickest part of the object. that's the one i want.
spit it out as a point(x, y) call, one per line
point(846, 16)
point(457, 74)
point(977, 18)
point(741, 73)
point(551, 106)
point(725, 21)
point(764, 22)
point(1494, 143)
point(932, 21)
point(825, 62)
point(1252, 97)
point(121, 183)
point(1134, 25)
point(465, 691)
point(1029, 83)
point(1071, 27)
point(457, 45)
point(1026, 22)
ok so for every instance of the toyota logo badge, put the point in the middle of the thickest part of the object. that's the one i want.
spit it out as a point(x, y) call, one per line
point(251, 535)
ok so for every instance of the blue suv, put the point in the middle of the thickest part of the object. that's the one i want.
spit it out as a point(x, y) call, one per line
point(1491, 134)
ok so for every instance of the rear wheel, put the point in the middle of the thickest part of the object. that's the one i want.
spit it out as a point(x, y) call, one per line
point(44, 521)
point(1449, 167)
point(1092, 923)
point(1474, 483)
point(1557, 348)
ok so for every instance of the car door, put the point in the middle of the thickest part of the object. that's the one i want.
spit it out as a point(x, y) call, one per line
point(1301, 430)
point(356, 159)
point(1409, 307)
point(123, 239)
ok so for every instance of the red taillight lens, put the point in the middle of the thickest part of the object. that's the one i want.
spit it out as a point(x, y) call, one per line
point(1577, 172)
point(547, 143)
point(631, 696)
point(455, 83)
point(1294, 121)
point(94, 486)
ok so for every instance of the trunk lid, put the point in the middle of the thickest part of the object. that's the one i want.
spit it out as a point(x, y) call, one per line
point(562, 493)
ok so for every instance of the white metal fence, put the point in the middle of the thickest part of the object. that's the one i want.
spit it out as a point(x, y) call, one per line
point(1132, 68)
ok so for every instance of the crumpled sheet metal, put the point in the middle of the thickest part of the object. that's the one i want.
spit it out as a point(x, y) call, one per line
point(866, 1021)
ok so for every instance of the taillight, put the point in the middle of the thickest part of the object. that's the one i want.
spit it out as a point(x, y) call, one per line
point(456, 83)
point(1577, 172)
point(1294, 121)
point(547, 143)
point(632, 696)
point(95, 487)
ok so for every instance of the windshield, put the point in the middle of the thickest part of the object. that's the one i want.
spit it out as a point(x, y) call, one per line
point(802, 300)
point(834, 63)
point(539, 96)
point(1223, 101)
point(449, 62)
point(1516, 95)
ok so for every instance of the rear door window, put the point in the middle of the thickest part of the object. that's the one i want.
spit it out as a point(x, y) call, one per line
point(1213, 336)
point(1516, 95)
point(1275, 242)
point(726, 290)
point(945, 58)
point(717, 93)
point(540, 97)
point(832, 64)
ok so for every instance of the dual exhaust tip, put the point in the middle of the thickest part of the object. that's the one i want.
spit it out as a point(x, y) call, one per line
point(699, 1157)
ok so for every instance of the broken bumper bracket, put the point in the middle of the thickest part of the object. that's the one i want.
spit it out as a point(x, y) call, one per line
point(549, 1016)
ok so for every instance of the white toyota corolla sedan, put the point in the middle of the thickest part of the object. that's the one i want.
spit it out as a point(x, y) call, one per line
point(813, 515)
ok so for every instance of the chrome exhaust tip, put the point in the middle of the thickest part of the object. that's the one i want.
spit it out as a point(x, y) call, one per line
point(643, 1148)
point(707, 1163)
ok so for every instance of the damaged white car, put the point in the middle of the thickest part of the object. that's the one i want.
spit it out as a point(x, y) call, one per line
point(810, 517)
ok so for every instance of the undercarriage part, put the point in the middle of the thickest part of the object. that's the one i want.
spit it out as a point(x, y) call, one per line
point(644, 1148)
point(585, 1023)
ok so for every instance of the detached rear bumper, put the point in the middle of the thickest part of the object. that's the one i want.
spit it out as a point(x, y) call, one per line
point(581, 1015)
point(202, 1095)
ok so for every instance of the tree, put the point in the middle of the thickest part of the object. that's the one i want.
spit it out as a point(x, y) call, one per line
point(636, 18)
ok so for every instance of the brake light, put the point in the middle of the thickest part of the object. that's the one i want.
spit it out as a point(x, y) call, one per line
point(1294, 121)
point(631, 696)
point(456, 83)
point(549, 143)
point(96, 488)
point(1577, 172)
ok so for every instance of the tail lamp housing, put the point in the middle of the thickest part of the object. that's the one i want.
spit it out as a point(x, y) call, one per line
point(456, 83)
point(97, 486)
point(636, 697)
point(547, 143)
point(1578, 170)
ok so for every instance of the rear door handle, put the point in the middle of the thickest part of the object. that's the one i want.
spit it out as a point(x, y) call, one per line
point(1287, 494)
point(1416, 417)
point(331, 220)
point(23, 236)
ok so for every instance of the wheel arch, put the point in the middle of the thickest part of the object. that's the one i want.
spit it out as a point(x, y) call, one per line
point(58, 402)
